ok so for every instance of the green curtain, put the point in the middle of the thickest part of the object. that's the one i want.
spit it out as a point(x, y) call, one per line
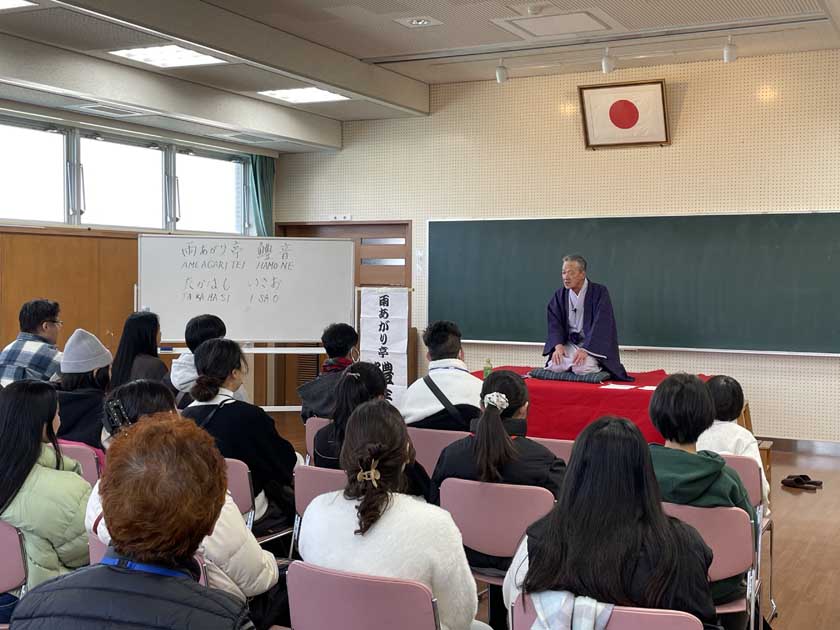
point(261, 193)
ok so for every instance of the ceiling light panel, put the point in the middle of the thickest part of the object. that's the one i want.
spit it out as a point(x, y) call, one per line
point(304, 95)
point(15, 4)
point(169, 56)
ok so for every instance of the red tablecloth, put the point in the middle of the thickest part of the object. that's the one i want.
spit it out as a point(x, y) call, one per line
point(561, 409)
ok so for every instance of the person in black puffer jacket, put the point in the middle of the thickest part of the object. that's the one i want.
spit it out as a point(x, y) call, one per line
point(161, 495)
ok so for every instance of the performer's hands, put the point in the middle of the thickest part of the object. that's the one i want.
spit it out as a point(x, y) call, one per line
point(580, 357)
point(557, 355)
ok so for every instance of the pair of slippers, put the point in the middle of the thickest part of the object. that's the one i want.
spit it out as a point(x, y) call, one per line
point(801, 482)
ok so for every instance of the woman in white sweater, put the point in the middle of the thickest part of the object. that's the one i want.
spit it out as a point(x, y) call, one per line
point(234, 560)
point(372, 528)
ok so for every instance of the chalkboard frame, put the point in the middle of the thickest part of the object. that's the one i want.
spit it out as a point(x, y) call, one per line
point(623, 348)
point(229, 237)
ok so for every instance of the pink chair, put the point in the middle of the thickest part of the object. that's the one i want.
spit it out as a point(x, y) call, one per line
point(430, 442)
point(750, 473)
point(728, 531)
point(241, 489)
point(87, 457)
point(622, 618)
point(13, 571)
point(322, 598)
point(242, 492)
point(493, 517)
point(311, 482)
point(560, 448)
point(313, 425)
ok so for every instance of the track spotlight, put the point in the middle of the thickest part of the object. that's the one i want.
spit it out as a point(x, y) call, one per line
point(730, 51)
point(607, 62)
point(501, 72)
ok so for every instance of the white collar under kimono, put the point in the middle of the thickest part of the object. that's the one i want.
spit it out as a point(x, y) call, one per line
point(576, 303)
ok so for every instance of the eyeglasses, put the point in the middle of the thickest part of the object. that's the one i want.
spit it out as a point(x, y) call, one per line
point(57, 322)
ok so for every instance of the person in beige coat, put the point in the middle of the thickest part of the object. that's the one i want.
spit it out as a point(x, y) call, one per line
point(42, 494)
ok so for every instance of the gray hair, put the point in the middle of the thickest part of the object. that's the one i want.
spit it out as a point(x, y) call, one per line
point(576, 258)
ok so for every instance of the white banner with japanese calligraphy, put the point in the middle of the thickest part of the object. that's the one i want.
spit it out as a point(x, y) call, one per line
point(384, 335)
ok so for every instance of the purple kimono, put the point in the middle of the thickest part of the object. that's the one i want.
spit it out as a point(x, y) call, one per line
point(599, 330)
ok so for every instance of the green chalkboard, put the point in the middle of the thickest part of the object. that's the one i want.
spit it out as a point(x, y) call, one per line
point(762, 282)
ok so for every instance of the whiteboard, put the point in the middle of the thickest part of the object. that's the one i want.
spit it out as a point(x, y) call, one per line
point(265, 289)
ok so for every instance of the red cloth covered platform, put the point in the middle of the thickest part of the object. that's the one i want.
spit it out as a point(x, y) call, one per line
point(561, 409)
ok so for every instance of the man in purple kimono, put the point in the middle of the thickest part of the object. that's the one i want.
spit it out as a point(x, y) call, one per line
point(582, 335)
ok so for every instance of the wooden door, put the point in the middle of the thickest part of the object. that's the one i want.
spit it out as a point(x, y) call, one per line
point(383, 258)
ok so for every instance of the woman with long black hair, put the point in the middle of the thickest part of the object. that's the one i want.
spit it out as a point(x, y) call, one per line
point(41, 493)
point(137, 354)
point(607, 537)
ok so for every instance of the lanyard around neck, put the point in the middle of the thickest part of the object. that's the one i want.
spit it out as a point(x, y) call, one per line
point(146, 568)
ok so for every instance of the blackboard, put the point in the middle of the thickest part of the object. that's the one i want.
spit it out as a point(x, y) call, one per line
point(760, 282)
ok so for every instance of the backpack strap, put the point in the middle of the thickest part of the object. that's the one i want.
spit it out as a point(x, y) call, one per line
point(447, 404)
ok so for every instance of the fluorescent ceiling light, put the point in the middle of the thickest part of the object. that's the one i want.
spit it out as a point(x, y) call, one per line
point(15, 4)
point(170, 56)
point(305, 95)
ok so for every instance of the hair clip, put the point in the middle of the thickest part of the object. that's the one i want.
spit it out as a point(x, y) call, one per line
point(371, 475)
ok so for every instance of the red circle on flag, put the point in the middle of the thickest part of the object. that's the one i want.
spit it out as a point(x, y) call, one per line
point(624, 114)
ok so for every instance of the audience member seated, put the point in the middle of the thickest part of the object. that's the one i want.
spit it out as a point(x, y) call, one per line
point(137, 355)
point(41, 492)
point(33, 355)
point(234, 560)
point(370, 527)
point(499, 452)
point(318, 395)
point(85, 376)
point(607, 537)
point(448, 397)
point(183, 374)
point(360, 383)
point(162, 494)
point(681, 409)
point(244, 431)
point(726, 436)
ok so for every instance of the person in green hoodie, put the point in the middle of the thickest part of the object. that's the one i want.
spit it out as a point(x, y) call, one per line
point(41, 493)
point(681, 409)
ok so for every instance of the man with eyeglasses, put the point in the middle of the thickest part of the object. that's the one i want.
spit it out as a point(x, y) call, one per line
point(34, 354)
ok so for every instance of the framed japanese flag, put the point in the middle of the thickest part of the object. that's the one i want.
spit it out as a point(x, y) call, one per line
point(624, 114)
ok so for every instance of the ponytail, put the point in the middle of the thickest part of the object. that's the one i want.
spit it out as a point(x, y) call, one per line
point(374, 455)
point(215, 359)
point(503, 394)
point(359, 383)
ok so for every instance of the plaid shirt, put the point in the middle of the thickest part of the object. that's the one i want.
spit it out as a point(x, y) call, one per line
point(29, 357)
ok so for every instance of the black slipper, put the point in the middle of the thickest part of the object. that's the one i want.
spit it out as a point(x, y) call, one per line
point(798, 483)
point(811, 482)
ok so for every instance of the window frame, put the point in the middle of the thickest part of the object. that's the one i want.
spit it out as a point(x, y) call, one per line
point(74, 184)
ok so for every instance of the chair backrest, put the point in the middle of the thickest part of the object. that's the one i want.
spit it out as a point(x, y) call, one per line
point(560, 448)
point(322, 598)
point(726, 530)
point(749, 472)
point(86, 456)
point(239, 485)
point(493, 517)
point(96, 548)
point(313, 425)
point(622, 618)
point(12, 558)
point(428, 443)
point(311, 482)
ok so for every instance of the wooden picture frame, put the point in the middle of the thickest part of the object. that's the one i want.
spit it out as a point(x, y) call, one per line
point(624, 114)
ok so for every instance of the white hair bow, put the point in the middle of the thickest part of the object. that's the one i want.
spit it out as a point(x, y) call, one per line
point(497, 399)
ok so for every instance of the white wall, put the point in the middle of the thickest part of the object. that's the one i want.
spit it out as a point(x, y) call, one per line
point(759, 135)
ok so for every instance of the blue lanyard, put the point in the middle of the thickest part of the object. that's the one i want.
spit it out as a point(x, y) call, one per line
point(146, 568)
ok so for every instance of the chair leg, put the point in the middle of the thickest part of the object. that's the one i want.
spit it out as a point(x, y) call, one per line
point(295, 534)
point(773, 610)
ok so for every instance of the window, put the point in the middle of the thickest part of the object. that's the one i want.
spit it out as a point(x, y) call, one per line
point(210, 194)
point(123, 184)
point(31, 174)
